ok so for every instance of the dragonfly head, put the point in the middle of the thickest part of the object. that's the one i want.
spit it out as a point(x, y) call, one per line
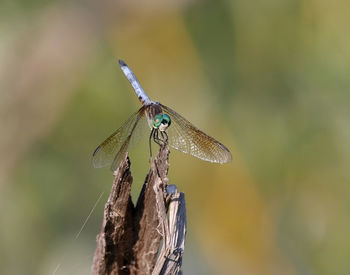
point(161, 122)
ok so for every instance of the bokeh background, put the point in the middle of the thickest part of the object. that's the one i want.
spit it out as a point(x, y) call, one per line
point(269, 79)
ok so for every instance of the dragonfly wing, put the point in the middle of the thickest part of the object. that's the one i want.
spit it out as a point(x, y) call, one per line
point(115, 146)
point(188, 139)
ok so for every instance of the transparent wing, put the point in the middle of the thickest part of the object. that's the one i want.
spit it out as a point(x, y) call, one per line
point(112, 150)
point(186, 138)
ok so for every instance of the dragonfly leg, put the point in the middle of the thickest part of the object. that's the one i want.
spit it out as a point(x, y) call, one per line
point(156, 140)
point(156, 137)
point(166, 137)
point(150, 141)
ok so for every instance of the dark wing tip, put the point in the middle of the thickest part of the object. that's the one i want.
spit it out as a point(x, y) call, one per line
point(93, 160)
point(227, 153)
point(96, 150)
point(122, 63)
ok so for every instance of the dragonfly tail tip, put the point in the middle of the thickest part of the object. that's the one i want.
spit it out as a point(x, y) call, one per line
point(122, 63)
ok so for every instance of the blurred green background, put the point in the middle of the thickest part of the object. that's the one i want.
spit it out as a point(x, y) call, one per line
point(269, 79)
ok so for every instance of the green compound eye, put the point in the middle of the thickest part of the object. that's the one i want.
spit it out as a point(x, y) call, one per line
point(166, 119)
point(157, 121)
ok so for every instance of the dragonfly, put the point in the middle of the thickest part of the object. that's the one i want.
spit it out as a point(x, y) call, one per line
point(166, 127)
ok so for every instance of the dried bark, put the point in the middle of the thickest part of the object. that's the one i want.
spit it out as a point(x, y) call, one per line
point(130, 238)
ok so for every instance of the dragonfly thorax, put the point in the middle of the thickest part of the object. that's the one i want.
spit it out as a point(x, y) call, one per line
point(161, 122)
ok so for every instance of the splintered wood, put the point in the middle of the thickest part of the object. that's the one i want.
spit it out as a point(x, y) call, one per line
point(148, 238)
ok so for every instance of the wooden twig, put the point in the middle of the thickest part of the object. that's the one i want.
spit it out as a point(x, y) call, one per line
point(130, 237)
point(170, 257)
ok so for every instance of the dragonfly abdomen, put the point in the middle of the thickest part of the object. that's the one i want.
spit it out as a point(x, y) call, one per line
point(134, 83)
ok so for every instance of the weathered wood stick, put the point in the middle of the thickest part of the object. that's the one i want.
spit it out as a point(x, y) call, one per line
point(130, 237)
